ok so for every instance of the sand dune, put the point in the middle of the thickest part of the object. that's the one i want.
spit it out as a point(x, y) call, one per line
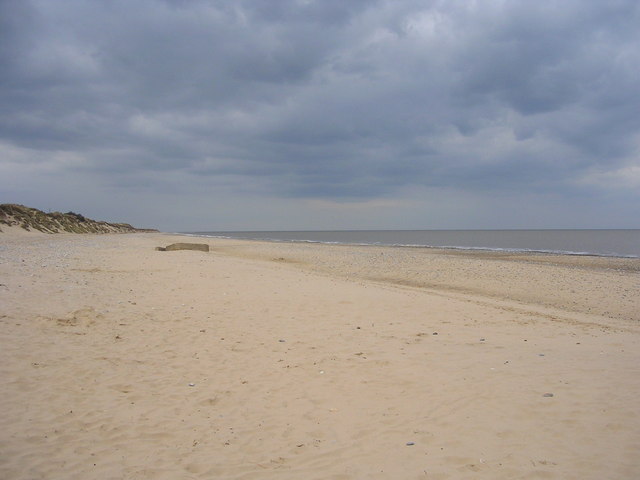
point(263, 361)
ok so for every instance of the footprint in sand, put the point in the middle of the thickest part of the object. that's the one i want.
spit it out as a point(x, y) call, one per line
point(84, 317)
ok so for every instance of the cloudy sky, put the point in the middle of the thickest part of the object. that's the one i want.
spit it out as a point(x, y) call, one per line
point(301, 114)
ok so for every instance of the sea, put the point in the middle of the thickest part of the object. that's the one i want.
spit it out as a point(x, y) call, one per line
point(610, 243)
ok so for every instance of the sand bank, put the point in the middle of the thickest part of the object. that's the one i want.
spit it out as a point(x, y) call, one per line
point(263, 361)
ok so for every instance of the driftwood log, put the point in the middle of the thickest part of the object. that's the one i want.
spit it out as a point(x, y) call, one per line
point(203, 247)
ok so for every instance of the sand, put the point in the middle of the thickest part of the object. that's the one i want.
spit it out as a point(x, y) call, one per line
point(281, 361)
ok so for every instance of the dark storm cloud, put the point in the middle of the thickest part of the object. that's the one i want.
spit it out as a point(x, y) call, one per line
point(326, 99)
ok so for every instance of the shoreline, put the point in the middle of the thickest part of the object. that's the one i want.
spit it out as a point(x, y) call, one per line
point(281, 361)
point(442, 249)
point(596, 286)
point(440, 246)
point(497, 275)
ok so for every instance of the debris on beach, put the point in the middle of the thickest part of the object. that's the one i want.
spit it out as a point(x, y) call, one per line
point(203, 247)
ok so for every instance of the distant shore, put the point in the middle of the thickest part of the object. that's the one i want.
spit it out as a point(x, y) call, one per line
point(291, 360)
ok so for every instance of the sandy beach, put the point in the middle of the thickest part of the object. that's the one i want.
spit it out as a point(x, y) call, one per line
point(290, 361)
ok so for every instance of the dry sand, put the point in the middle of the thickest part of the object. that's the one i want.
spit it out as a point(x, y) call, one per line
point(260, 361)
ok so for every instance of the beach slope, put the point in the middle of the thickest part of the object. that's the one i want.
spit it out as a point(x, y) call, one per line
point(276, 361)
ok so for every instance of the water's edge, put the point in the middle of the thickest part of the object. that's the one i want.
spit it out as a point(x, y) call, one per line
point(286, 237)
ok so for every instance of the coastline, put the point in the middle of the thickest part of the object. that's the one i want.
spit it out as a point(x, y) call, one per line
point(583, 284)
point(617, 243)
point(282, 360)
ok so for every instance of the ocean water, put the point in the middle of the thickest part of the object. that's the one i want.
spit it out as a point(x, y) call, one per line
point(615, 243)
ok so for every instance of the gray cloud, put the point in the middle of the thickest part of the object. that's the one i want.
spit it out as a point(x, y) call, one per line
point(337, 101)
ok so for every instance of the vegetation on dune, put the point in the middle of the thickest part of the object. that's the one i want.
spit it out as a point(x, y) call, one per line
point(33, 219)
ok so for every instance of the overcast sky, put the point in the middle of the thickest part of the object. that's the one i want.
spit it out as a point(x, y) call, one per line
point(299, 114)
